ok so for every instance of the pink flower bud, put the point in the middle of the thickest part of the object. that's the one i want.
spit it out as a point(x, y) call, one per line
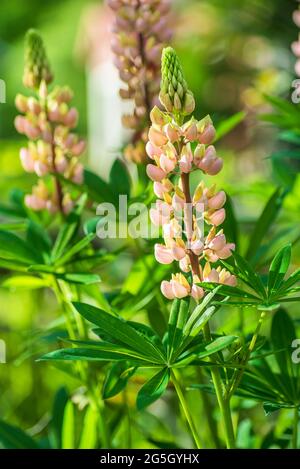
point(78, 174)
point(213, 276)
point(217, 201)
point(159, 189)
point(71, 118)
point(197, 292)
point(179, 290)
point(40, 168)
point(34, 202)
point(155, 173)
point(296, 18)
point(226, 251)
point(217, 217)
point(295, 46)
point(158, 117)
point(162, 254)
point(27, 160)
point(156, 137)
point(78, 148)
point(208, 135)
point(197, 247)
point(184, 264)
point(152, 151)
point(231, 280)
point(191, 131)
point(218, 242)
point(215, 167)
point(178, 252)
point(21, 103)
point(61, 164)
point(166, 289)
point(30, 130)
point(172, 133)
point(167, 164)
point(20, 124)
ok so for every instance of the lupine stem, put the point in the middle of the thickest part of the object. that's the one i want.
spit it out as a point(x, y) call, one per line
point(224, 404)
point(295, 428)
point(185, 409)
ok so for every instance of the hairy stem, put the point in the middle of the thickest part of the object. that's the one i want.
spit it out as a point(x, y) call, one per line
point(185, 409)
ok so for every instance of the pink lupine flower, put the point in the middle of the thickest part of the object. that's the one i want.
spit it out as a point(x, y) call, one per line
point(172, 147)
point(155, 173)
point(140, 30)
point(163, 255)
point(46, 122)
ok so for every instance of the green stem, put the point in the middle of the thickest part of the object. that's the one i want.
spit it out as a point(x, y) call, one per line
point(238, 374)
point(224, 404)
point(295, 428)
point(185, 409)
point(208, 409)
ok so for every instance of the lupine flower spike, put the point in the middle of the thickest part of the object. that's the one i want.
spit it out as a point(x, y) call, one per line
point(178, 147)
point(53, 149)
point(140, 30)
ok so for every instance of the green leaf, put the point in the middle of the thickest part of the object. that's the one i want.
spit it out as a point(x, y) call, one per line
point(278, 268)
point(25, 282)
point(60, 401)
point(290, 137)
point(68, 427)
point(88, 438)
point(229, 124)
point(39, 240)
point(80, 278)
point(270, 407)
point(282, 335)
point(266, 219)
point(153, 389)
point(75, 249)
point(230, 224)
point(101, 352)
point(98, 189)
point(117, 379)
point(177, 320)
point(13, 248)
point(198, 314)
point(205, 350)
point(12, 437)
point(248, 275)
point(68, 229)
point(119, 179)
point(120, 330)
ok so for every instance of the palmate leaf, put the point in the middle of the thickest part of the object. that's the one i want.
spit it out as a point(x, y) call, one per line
point(13, 248)
point(204, 350)
point(278, 268)
point(282, 335)
point(264, 222)
point(101, 352)
point(121, 331)
point(117, 379)
point(68, 229)
point(153, 389)
point(177, 320)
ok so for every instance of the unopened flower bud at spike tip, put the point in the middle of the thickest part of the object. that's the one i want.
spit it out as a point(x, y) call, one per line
point(36, 67)
point(174, 94)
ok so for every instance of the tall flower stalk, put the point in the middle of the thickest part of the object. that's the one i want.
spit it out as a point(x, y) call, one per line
point(177, 147)
point(47, 121)
point(140, 31)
